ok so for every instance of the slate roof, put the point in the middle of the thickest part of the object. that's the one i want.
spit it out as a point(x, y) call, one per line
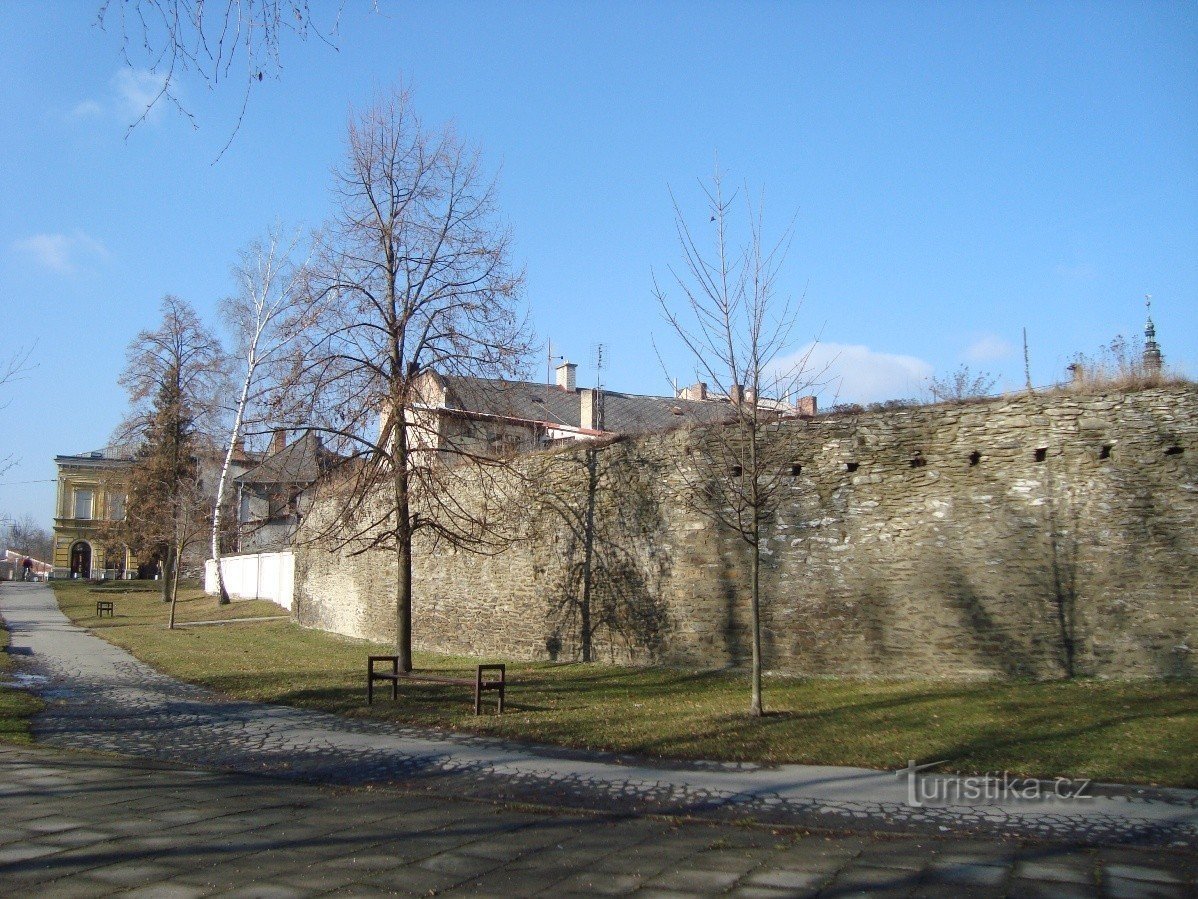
point(623, 413)
point(300, 462)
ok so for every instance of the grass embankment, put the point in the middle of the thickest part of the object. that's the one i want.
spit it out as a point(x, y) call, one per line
point(1139, 732)
point(16, 706)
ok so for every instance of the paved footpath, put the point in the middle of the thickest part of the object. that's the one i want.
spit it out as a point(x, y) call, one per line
point(290, 802)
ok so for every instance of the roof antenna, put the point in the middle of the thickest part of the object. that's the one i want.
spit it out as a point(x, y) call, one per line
point(599, 386)
point(549, 357)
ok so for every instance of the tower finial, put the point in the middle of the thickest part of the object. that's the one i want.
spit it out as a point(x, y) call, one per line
point(1153, 360)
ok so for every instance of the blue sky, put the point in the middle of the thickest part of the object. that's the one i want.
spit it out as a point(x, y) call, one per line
point(957, 172)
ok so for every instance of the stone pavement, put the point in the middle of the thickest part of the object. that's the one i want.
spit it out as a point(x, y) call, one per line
point(412, 823)
point(74, 825)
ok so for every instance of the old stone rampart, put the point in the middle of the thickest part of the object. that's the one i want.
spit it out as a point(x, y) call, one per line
point(1022, 536)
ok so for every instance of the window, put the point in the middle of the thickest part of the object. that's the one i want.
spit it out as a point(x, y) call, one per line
point(83, 504)
point(116, 507)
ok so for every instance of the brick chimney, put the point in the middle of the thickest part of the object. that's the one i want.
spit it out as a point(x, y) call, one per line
point(565, 376)
point(278, 441)
point(737, 395)
point(806, 406)
point(697, 391)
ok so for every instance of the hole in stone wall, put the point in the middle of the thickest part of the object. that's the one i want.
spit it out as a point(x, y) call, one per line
point(1105, 451)
point(1174, 451)
point(795, 469)
point(736, 471)
point(975, 457)
point(1041, 453)
point(851, 466)
point(918, 461)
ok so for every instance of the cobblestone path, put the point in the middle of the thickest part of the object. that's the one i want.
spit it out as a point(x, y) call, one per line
point(78, 825)
point(101, 698)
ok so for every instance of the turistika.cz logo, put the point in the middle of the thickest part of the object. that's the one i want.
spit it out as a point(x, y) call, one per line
point(986, 789)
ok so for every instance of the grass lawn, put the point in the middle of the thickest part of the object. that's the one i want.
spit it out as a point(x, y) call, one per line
point(1135, 732)
point(16, 706)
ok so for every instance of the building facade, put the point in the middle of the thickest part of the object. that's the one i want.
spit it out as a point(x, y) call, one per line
point(92, 490)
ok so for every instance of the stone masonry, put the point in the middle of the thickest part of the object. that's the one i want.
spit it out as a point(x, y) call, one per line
point(1032, 535)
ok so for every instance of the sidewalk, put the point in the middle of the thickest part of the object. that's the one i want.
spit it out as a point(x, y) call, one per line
point(78, 826)
point(100, 698)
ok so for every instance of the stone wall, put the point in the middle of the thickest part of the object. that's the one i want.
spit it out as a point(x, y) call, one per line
point(1022, 536)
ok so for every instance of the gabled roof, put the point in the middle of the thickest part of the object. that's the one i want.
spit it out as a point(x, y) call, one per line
point(300, 462)
point(623, 413)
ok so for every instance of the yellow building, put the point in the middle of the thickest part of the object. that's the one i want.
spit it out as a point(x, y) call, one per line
point(92, 489)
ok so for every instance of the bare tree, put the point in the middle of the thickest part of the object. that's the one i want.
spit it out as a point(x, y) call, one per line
point(12, 370)
point(267, 315)
point(419, 274)
point(736, 324)
point(963, 384)
point(29, 538)
point(177, 37)
point(175, 377)
point(185, 525)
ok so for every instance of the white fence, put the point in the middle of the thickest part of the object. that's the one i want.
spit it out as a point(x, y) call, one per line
point(259, 576)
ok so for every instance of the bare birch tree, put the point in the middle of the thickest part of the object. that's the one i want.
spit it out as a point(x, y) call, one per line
point(267, 315)
point(418, 269)
point(723, 302)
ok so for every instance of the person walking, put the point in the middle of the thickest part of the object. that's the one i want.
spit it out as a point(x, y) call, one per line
point(27, 567)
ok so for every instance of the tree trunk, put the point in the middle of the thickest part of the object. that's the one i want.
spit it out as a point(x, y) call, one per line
point(755, 503)
point(755, 707)
point(588, 555)
point(403, 546)
point(224, 472)
point(178, 553)
point(164, 568)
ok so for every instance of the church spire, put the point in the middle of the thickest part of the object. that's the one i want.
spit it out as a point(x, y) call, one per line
point(1152, 350)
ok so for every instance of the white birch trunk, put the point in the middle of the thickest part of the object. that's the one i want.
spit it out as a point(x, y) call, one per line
point(222, 484)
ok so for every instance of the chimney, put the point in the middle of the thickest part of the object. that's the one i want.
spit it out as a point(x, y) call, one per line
point(807, 406)
point(565, 376)
point(589, 418)
point(697, 391)
point(278, 441)
point(737, 395)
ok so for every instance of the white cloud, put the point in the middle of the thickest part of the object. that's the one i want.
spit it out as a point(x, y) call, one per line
point(137, 89)
point(88, 109)
point(853, 373)
point(988, 348)
point(62, 253)
point(134, 93)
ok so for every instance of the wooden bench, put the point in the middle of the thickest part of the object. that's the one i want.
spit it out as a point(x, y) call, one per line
point(480, 683)
point(104, 607)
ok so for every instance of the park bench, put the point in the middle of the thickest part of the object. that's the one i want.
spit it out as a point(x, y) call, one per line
point(480, 683)
point(104, 607)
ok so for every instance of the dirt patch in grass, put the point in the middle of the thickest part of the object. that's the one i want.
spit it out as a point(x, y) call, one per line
point(1132, 732)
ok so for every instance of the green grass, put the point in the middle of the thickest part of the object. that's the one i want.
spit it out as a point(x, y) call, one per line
point(16, 706)
point(1138, 731)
